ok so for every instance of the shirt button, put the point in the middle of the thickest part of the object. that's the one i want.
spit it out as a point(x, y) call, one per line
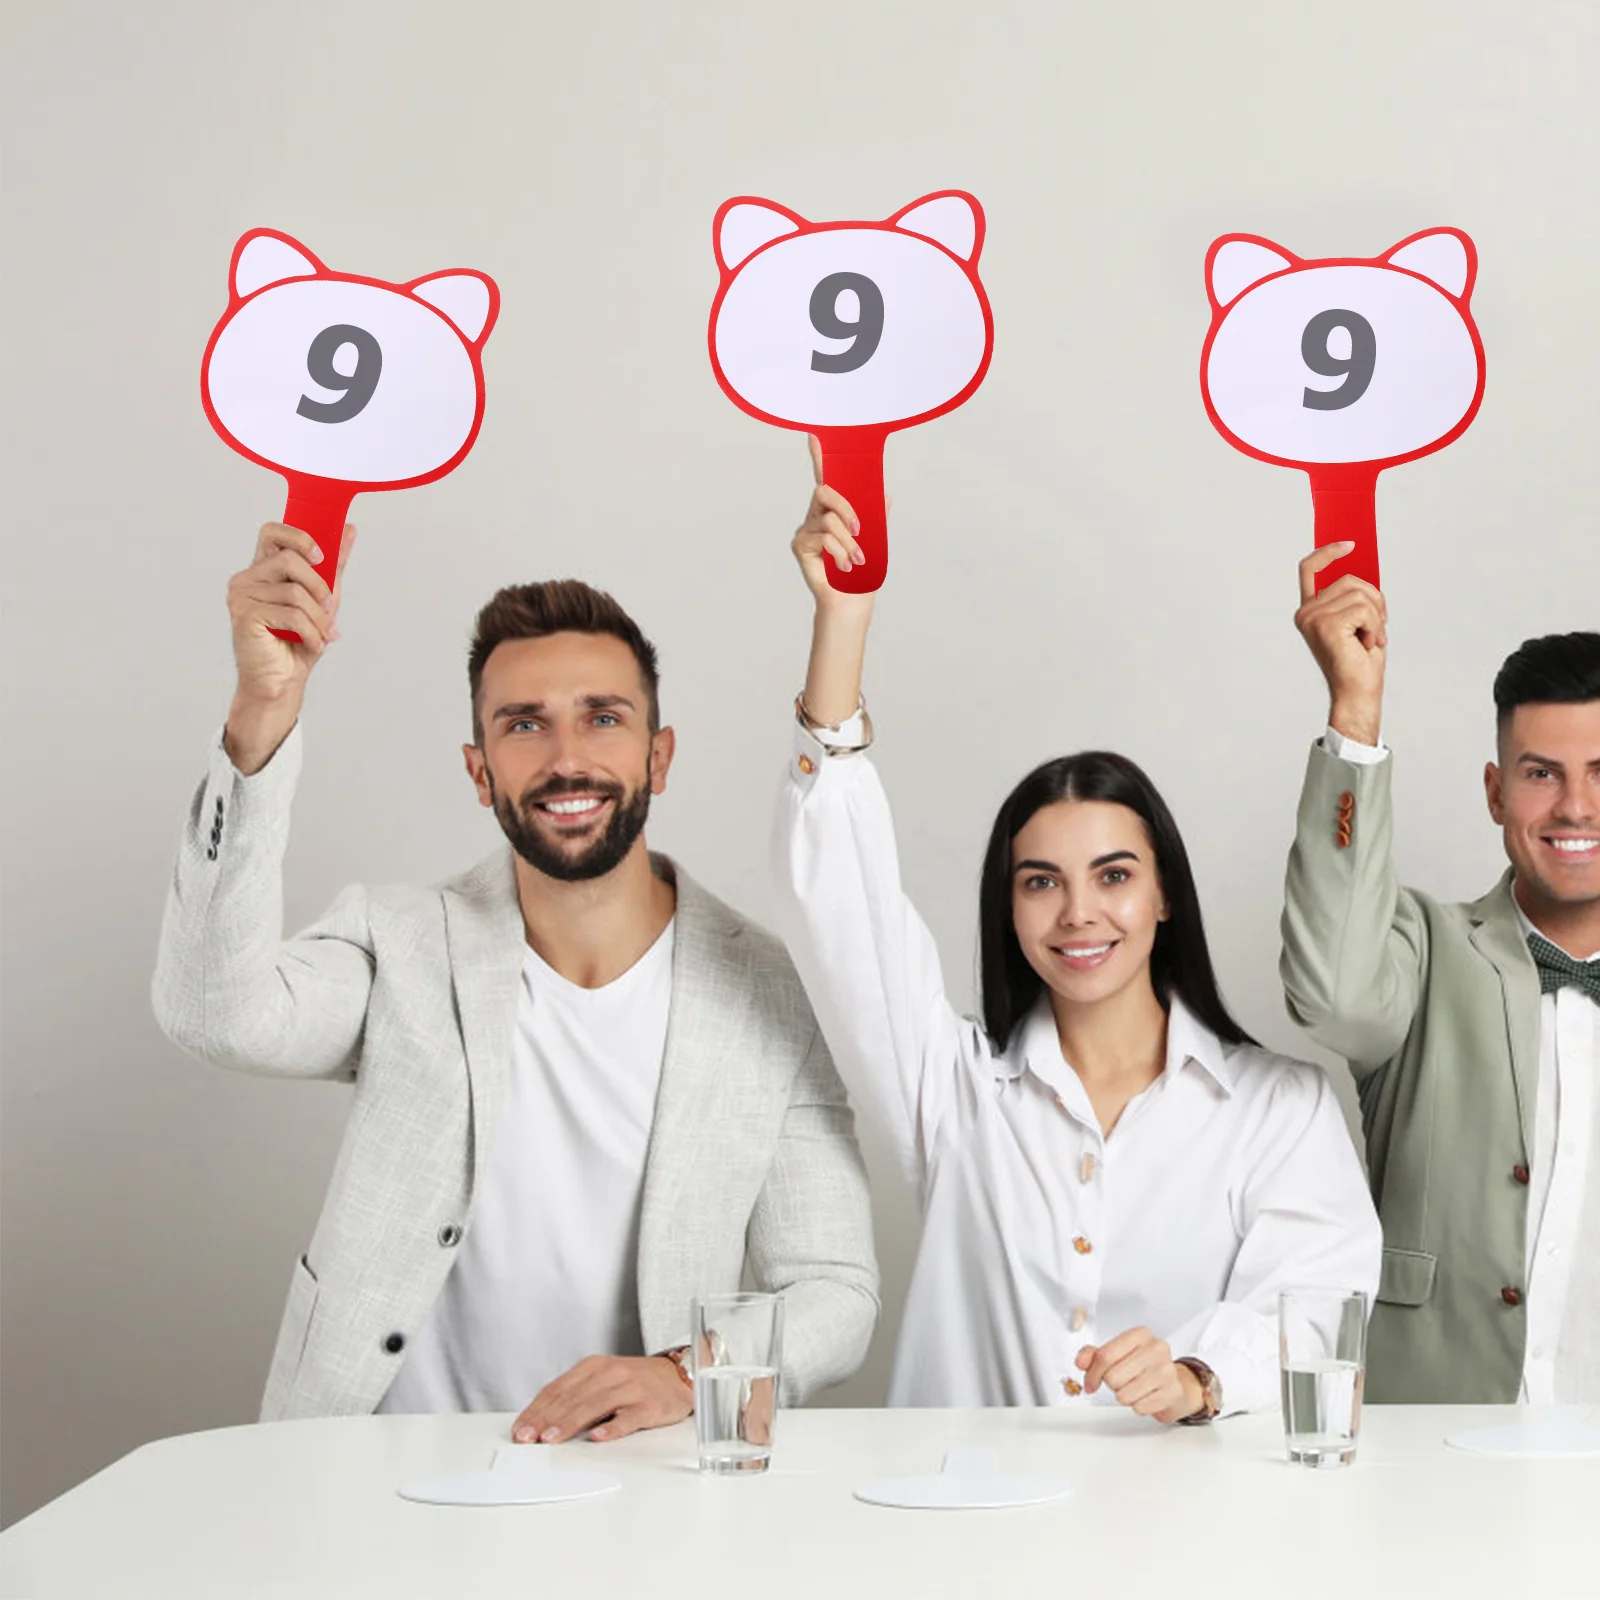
point(1538, 1354)
point(1553, 1250)
point(1080, 1316)
point(1519, 1173)
point(449, 1235)
point(1512, 1297)
point(1082, 1245)
point(395, 1343)
point(1086, 1167)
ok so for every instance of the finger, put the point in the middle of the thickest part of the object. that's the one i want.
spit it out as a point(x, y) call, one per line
point(1349, 583)
point(288, 597)
point(1153, 1390)
point(1132, 1371)
point(291, 619)
point(538, 1412)
point(832, 524)
point(275, 536)
point(346, 545)
point(842, 558)
point(1113, 1351)
point(588, 1406)
point(814, 444)
point(1160, 1398)
point(1314, 563)
point(629, 1419)
point(824, 499)
point(291, 566)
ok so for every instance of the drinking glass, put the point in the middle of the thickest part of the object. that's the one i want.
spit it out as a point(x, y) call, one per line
point(1322, 1348)
point(735, 1354)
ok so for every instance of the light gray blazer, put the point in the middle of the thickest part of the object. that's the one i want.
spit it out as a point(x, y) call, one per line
point(753, 1174)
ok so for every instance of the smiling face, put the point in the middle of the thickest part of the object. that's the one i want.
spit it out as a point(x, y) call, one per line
point(1086, 898)
point(1545, 795)
point(566, 757)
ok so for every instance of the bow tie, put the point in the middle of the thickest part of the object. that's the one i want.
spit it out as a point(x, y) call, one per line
point(1557, 969)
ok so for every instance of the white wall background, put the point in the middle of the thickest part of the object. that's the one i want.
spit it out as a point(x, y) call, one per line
point(1078, 558)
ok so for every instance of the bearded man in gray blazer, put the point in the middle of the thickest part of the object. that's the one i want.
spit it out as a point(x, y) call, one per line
point(585, 1091)
point(1473, 1031)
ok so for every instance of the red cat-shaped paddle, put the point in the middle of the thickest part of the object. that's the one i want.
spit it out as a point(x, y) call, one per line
point(342, 383)
point(850, 331)
point(1395, 331)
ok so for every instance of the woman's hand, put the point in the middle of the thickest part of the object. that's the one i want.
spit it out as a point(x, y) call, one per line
point(839, 631)
point(828, 533)
point(1139, 1370)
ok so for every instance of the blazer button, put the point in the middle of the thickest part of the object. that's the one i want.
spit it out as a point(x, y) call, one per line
point(395, 1343)
point(1512, 1297)
point(449, 1235)
point(1347, 803)
point(1520, 1173)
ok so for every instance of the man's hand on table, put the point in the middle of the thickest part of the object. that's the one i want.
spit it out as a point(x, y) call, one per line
point(1139, 1370)
point(608, 1397)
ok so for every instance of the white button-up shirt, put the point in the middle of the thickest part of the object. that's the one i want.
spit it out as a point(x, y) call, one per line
point(1231, 1177)
point(1561, 1361)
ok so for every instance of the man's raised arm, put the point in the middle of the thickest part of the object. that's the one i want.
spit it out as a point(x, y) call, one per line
point(227, 987)
point(1353, 941)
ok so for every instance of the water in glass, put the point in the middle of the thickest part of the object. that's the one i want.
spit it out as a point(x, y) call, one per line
point(734, 1409)
point(1322, 1411)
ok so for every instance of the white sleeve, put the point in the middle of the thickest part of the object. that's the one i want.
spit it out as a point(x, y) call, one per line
point(911, 1063)
point(1352, 750)
point(1306, 1220)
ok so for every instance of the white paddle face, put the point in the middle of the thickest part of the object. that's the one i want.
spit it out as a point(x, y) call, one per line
point(343, 380)
point(1342, 364)
point(844, 327)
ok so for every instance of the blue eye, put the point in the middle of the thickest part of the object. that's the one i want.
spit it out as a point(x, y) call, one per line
point(608, 719)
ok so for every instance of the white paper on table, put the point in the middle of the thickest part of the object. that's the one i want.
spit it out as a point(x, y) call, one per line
point(1570, 1433)
point(970, 1481)
point(520, 1475)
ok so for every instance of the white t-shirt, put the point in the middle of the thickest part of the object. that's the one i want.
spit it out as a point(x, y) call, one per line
point(547, 1270)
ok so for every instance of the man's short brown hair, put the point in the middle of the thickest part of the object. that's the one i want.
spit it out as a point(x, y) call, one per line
point(559, 605)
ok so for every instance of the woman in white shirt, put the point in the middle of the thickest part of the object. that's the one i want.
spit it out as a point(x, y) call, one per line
point(1115, 1179)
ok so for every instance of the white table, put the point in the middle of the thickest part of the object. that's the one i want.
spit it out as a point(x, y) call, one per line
point(310, 1509)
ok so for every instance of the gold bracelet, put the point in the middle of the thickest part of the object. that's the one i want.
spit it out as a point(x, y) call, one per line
point(820, 730)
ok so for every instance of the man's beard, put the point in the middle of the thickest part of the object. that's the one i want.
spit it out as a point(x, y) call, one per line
point(598, 856)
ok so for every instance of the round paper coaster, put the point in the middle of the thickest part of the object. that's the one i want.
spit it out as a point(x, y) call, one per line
point(1532, 1441)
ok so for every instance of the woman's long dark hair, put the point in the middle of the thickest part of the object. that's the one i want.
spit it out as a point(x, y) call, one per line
point(1180, 963)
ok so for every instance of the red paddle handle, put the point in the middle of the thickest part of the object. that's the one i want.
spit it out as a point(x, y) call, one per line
point(1345, 499)
point(852, 463)
point(320, 507)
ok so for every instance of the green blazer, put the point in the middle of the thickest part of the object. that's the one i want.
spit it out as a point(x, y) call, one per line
point(1436, 1009)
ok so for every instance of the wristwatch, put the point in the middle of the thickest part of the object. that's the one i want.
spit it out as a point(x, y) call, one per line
point(1210, 1391)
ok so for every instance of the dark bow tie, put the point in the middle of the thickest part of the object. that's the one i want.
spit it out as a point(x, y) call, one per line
point(1558, 970)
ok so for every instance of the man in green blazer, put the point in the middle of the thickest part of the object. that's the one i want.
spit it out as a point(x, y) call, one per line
point(1473, 1031)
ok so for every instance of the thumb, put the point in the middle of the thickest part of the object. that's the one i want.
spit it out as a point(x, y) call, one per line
point(346, 545)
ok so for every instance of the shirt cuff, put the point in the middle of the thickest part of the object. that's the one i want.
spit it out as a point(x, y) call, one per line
point(1351, 750)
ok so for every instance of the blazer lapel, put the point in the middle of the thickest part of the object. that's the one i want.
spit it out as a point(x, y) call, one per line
point(1497, 936)
point(483, 923)
point(697, 1045)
